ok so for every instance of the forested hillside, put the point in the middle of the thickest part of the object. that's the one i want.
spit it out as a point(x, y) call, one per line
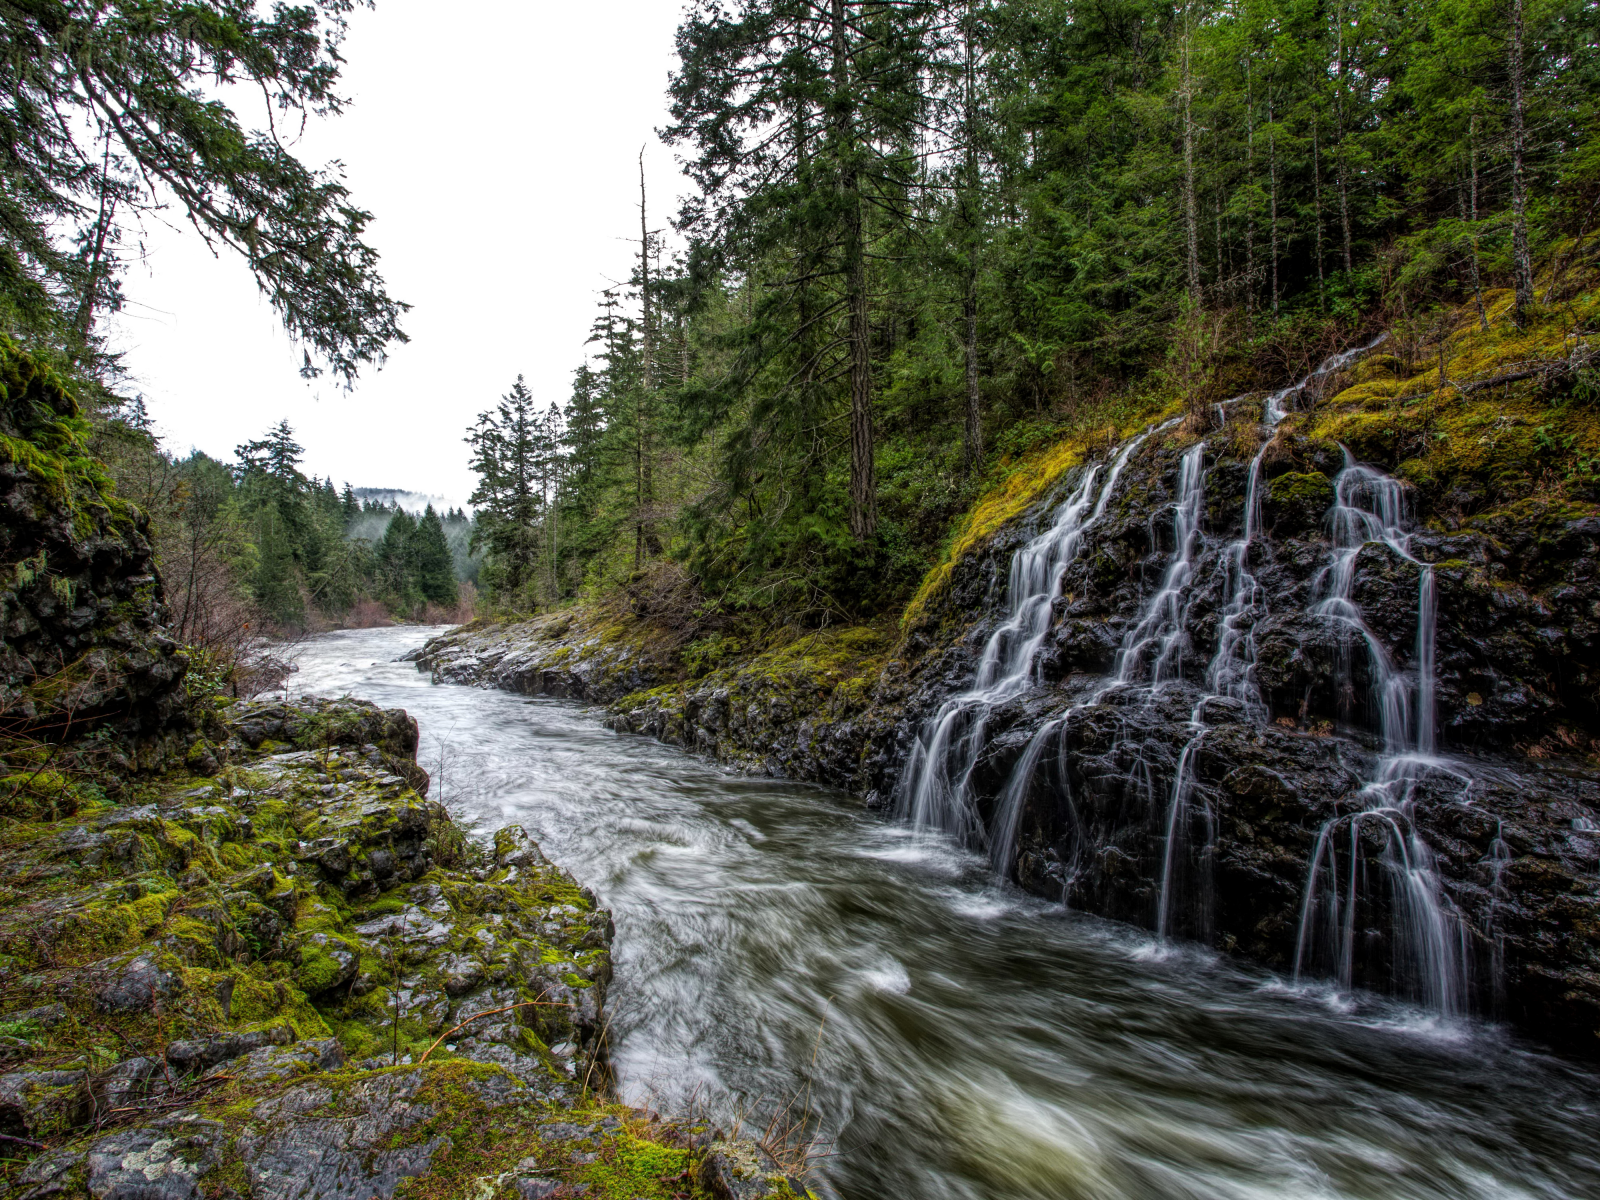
point(926, 238)
point(254, 547)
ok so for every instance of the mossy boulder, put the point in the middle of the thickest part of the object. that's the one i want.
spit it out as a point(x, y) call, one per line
point(1297, 502)
point(82, 646)
point(293, 978)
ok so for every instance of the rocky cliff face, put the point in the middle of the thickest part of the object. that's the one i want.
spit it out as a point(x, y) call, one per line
point(81, 643)
point(1173, 806)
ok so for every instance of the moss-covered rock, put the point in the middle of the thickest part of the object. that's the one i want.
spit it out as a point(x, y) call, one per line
point(82, 650)
point(282, 980)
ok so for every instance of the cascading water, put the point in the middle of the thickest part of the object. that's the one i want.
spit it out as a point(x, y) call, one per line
point(1231, 671)
point(1429, 953)
point(1160, 627)
point(934, 789)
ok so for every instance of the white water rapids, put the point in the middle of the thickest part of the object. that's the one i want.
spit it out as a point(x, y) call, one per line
point(954, 1039)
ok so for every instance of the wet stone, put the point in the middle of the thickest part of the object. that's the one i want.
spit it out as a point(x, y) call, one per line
point(162, 1161)
point(136, 986)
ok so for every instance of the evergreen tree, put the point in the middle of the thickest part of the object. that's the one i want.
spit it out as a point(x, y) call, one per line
point(435, 570)
point(507, 444)
point(112, 110)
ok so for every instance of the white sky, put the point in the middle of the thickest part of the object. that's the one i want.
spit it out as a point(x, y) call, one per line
point(499, 157)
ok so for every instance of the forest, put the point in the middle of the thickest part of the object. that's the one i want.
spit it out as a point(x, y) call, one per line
point(927, 237)
point(1050, 648)
point(921, 239)
point(255, 547)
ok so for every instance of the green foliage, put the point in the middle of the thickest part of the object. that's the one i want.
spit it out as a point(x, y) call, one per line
point(111, 110)
point(1069, 216)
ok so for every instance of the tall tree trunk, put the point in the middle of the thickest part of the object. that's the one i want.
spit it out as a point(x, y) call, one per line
point(1522, 261)
point(863, 482)
point(84, 319)
point(1250, 198)
point(1272, 161)
point(973, 432)
point(1190, 214)
point(974, 408)
point(1316, 206)
point(1216, 282)
point(1339, 149)
point(649, 541)
point(1472, 218)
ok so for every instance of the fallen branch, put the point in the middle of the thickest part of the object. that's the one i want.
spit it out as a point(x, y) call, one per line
point(20, 1141)
point(489, 1013)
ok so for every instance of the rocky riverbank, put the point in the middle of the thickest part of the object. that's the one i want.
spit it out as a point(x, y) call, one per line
point(282, 972)
point(1447, 849)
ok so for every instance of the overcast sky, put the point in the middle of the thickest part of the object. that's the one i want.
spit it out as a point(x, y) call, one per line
point(499, 156)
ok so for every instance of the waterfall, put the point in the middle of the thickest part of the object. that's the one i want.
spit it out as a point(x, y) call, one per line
point(1161, 625)
point(1430, 951)
point(934, 789)
point(1231, 672)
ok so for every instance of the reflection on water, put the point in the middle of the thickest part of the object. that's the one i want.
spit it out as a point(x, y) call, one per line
point(955, 1039)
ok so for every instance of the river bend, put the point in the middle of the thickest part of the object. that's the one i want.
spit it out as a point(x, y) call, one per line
point(953, 1039)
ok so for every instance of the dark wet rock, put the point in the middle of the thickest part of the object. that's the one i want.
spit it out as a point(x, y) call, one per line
point(38, 1103)
point(531, 1186)
point(194, 1055)
point(162, 1161)
point(136, 986)
point(51, 1174)
point(308, 1145)
point(286, 1062)
point(81, 610)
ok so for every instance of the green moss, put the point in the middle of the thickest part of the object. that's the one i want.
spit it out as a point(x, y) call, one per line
point(1302, 487)
point(1480, 446)
point(630, 1166)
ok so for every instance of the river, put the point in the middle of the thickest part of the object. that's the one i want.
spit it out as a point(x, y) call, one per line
point(777, 945)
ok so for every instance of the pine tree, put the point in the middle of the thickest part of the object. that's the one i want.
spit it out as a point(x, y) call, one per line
point(804, 115)
point(115, 109)
point(506, 449)
point(430, 554)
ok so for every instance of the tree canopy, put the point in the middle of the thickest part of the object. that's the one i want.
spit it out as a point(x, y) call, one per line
point(113, 109)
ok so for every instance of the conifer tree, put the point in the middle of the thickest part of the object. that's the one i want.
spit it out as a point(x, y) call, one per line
point(435, 572)
point(117, 108)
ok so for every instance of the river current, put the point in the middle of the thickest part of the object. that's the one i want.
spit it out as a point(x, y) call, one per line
point(780, 947)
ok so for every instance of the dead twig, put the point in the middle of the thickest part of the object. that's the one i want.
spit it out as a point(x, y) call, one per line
point(489, 1013)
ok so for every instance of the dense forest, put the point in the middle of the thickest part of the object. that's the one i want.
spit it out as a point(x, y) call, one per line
point(925, 237)
point(257, 545)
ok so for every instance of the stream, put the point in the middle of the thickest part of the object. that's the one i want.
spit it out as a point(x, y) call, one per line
point(779, 947)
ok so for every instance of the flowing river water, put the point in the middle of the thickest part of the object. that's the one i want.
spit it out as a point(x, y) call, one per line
point(951, 1038)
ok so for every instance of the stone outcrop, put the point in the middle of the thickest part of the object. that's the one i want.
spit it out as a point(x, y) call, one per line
point(283, 973)
point(81, 642)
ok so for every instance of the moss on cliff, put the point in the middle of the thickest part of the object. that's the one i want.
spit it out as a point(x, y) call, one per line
point(1478, 419)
